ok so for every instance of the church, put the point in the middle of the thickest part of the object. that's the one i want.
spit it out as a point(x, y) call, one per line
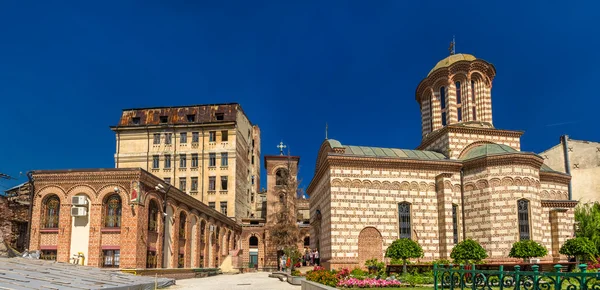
point(466, 180)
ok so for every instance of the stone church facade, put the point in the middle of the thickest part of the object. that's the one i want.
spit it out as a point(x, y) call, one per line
point(466, 179)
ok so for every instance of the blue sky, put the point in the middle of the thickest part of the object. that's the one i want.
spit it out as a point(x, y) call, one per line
point(67, 69)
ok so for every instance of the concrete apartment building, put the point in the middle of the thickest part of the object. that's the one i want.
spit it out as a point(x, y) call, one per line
point(211, 152)
point(582, 162)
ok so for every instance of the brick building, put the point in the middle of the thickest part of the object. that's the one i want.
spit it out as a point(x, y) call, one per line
point(259, 250)
point(14, 215)
point(211, 152)
point(126, 218)
point(466, 179)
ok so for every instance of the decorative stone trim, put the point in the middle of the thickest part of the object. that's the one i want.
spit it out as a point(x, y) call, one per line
point(560, 203)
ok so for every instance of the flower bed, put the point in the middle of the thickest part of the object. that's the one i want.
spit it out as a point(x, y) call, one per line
point(368, 283)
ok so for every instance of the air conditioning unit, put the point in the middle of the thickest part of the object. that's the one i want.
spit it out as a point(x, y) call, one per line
point(78, 211)
point(534, 261)
point(79, 200)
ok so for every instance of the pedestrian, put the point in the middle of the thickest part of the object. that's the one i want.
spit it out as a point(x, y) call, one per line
point(312, 257)
point(317, 257)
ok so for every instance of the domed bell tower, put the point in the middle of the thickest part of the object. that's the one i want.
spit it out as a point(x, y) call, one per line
point(456, 91)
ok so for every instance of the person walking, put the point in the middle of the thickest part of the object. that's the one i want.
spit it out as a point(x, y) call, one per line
point(317, 257)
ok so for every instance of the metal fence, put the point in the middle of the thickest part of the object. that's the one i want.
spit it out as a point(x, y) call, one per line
point(457, 277)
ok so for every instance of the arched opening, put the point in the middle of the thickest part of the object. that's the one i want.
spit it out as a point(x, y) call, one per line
point(253, 242)
point(443, 104)
point(524, 226)
point(404, 220)
point(307, 241)
point(51, 212)
point(253, 252)
point(281, 176)
point(458, 101)
point(112, 211)
point(370, 245)
point(153, 216)
point(182, 236)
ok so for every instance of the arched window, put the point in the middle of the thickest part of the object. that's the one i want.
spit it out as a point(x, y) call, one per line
point(523, 210)
point(473, 94)
point(281, 177)
point(443, 104)
point(253, 242)
point(112, 207)
point(182, 223)
point(455, 223)
point(153, 216)
point(51, 212)
point(458, 101)
point(404, 220)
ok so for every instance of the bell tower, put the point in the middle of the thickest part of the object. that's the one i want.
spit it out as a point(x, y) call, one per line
point(282, 179)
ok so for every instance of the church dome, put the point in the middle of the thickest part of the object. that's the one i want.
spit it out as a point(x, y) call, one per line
point(446, 62)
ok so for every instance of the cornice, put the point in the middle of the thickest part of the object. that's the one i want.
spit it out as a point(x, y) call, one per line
point(559, 203)
point(554, 177)
point(170, 126)
point(432, 137)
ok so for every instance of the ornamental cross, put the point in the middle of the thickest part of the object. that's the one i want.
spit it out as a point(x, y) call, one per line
point(281, 147)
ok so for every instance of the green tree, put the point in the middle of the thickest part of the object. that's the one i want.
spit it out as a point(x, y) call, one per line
point(579, 248)
point(587, 217)
point(468, 251)
point(404, 249)
point(527, 249)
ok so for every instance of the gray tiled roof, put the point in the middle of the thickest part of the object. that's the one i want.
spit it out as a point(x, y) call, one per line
point(387, 152)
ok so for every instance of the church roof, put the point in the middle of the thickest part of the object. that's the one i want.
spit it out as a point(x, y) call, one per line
point(386, 152)
point(488, 149)
point(446, 62)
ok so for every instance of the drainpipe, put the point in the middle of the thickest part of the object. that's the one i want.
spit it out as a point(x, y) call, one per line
point(462, 204)
point(31, 195)
point(565, 144)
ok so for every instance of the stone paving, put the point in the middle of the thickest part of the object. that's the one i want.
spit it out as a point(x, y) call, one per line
point(258, 280)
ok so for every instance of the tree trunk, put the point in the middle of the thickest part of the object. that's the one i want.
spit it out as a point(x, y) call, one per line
point(404, 267)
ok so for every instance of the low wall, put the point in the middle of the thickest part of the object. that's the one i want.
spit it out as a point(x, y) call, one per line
point(175, 273)
point(309, 285)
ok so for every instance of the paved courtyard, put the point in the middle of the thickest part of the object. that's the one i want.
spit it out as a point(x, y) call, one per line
point(259, 280)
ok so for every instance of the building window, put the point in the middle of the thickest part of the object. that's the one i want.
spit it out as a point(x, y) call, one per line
point(281, 177)
point(156, 138)
point(182, 160)
point(473, 103)
point(212, 136)
point(212, 159)
point(224, 136)
point(281, 197)
point(443, 118)
point(212, 180)
point(110, 258)
point(458, 101)
point(224, 159)
point(523, 209)
point(253, 242)
point(404, 219)
point(455, 223)
point(252, 197)
point(112, 217)
point(168, 137)
point(183, 137)
point(252, 179)
point(155, 161)
point(48, 255)
point(307, 241)
point(443, 104)
point(164, 119)
point(167, 180)
point(181, 261)
point(167, 161)
point(152, 216)
point(224, 207)
point(211, 204)
point(182, 225)
point(194, 160)
point(194, 183)
point(135, 120)
point(182, 183)
point(51, 212)
point(220, 116)
point(223, 182)
point(191, 118)
point(195, 137)
point(459, 112)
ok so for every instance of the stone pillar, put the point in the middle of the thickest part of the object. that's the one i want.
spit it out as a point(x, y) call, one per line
point(444, 201)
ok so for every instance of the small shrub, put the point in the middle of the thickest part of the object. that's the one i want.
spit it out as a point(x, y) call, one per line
point(358, 273)
point(467, 252)
point(580, 248)
point(415, 279)
point(296, 273)
point(375, 267)
point(342, 274)
point(323, 276)
point(527, 249)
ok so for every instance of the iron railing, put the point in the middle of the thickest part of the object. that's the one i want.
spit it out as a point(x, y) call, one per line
point(457, 277)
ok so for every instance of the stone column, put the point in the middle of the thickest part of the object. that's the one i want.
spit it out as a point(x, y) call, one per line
point(444, 201)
